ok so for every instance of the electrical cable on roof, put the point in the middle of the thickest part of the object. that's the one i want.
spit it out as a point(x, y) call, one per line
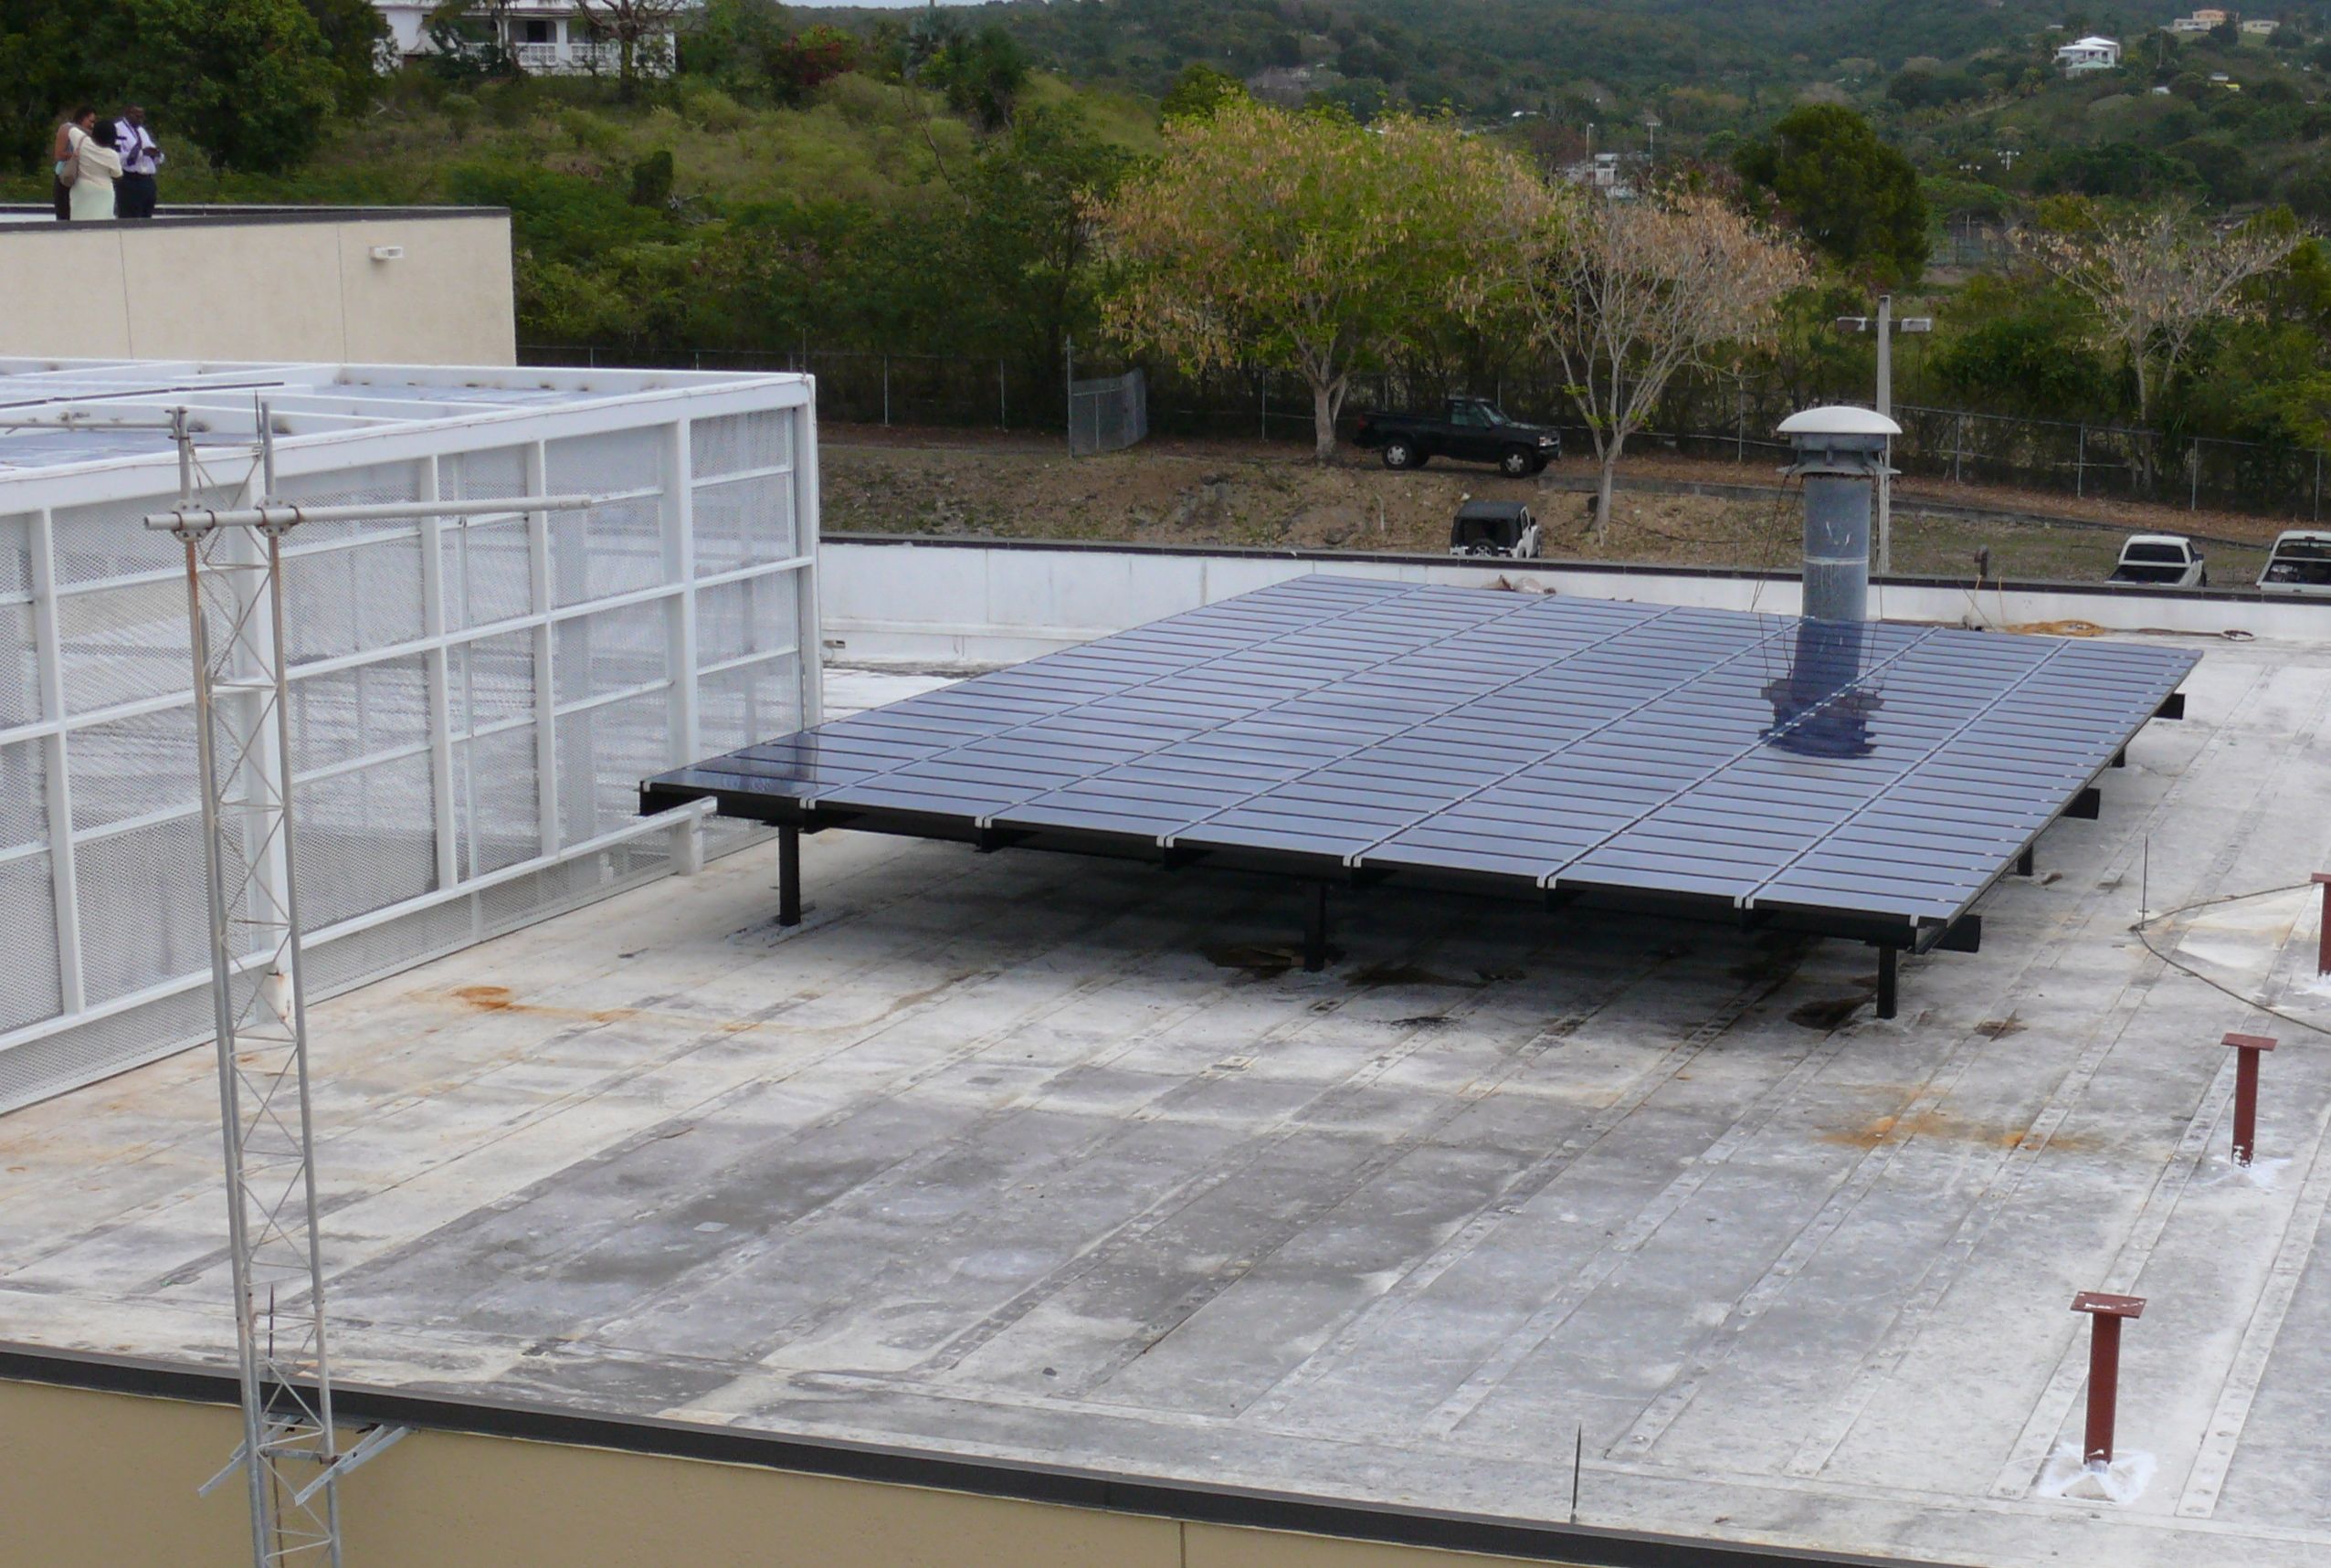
point(1775, 538)
point(2214, 985)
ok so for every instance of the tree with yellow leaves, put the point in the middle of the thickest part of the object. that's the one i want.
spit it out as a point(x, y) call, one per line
point(1299, 241)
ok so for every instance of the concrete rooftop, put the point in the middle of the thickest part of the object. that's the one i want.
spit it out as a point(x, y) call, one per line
point(1052, 1158)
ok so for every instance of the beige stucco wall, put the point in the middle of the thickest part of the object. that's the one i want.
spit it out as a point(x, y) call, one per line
point(89, 1479)
point(305, 290)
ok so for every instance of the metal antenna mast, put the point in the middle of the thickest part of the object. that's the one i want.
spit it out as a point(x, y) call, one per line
point(289, 1455)
point(243, 740)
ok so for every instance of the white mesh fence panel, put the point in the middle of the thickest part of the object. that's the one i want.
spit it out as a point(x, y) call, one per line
point(416, 835)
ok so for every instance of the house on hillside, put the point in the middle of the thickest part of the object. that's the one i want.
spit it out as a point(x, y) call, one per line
point(2088, 54)
point(547, 37)
point(2257, 32)
point(1613, 174)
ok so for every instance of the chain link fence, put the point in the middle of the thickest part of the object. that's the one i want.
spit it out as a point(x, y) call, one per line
point(1109, 414)
point(1718, 419)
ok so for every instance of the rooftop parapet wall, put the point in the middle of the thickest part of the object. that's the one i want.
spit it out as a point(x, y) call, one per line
point(993, 601)
point(403, 285)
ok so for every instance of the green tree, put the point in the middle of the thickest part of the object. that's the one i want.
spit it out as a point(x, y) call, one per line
point(2008, 346)
point(470, 41)
point(2121, 169)
point(52, 58)
point(1853, 197)
point(1198, 91)
point(1303, 242)
point(354, 34)
point(733, 42)
point(981, 74)
point(2223, 167)
point(249, 82)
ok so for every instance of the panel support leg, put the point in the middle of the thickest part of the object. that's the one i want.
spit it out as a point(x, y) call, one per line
point(2023, 862)
point(1889, 977)
point(788, 874)
point(1315, 929)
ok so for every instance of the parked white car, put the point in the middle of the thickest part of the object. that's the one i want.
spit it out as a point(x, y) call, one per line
point(2300, 564)
point(2161, 560)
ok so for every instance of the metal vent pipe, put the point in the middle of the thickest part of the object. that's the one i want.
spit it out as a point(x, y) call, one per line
point(1841, 452)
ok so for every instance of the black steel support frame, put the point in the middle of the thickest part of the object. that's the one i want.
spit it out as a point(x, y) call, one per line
point(792, 818)
point(789, 874)
point(1313, 874)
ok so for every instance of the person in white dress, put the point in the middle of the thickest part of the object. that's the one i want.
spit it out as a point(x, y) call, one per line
point(95, 168)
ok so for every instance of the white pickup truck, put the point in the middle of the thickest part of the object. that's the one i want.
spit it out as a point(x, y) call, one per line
point(2161, 560)
point(2300, 563)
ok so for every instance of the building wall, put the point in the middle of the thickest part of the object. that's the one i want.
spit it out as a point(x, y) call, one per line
point(95, 1480)
point(276, 287)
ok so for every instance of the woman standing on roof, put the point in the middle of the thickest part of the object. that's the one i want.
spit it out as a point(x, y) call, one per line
point(95, 166)
point(61, 155)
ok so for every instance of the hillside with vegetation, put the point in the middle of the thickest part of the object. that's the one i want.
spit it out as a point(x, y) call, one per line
point(933, 184)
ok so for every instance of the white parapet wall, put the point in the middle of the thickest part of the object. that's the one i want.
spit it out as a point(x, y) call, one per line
point(474, 699)
point(970, 602)
point(429, 285)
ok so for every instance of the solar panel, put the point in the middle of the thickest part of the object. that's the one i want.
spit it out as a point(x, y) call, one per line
point(1871, 780)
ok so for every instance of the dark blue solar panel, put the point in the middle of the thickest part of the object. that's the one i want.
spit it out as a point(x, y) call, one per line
point(1880, 770)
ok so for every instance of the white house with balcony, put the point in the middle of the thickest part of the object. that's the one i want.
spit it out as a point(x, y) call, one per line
point(547, 37)
point(2088, 54)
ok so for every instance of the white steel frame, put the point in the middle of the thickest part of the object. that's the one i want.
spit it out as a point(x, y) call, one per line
point(332, 418)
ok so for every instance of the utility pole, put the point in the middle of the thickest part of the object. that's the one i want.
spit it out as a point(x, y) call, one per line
point(1885, 325)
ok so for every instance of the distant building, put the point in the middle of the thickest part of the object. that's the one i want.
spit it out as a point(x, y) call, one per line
point(2199, 22)
point(2088, 54)
point(547, 37)
point(2259, 29)
point(1612, 174)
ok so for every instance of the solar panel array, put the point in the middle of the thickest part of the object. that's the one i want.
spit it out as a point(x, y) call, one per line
point(1882, 771)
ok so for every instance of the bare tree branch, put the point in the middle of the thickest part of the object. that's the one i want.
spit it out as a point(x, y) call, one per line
point(1626, 294)
point(634, 26)
point(2155, 278)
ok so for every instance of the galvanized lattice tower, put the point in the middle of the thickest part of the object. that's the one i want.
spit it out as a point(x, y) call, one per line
point(289, 1455)
point(234, 590)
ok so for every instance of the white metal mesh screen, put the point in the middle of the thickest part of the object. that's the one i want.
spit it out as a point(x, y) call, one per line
point(473, 703)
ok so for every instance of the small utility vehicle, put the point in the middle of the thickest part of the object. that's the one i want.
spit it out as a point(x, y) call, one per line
point(1494, 527)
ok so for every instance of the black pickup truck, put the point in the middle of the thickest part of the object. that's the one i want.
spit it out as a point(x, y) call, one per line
point(1472, 428)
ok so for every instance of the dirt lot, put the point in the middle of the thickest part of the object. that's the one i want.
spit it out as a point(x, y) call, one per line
point(951, 483)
